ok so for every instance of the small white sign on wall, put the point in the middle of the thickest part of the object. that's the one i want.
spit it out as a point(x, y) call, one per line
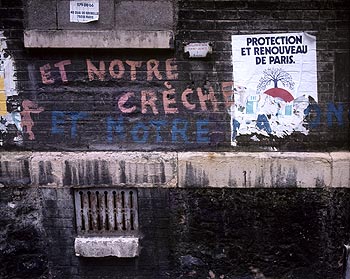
point(198, 50)
point(84, 10)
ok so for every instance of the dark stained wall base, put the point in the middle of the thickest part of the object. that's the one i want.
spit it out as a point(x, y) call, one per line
point(186, 233)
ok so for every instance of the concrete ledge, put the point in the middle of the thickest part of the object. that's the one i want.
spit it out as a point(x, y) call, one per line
point(146, 169)
point(60, 169)
point(98, 39)
point(14, 169)
point(96, 247)
point(275, 169)
point(171, 169)
point(340, 169)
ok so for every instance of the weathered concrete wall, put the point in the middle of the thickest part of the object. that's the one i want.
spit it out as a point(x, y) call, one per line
point(23, 237)
point(159, 121)
point(96, 39)
point(265, 233)
point(117, 15)
point(119, 25)
point(161, 98)
point(234, 215)
point(37, 236)
point(256, 170)
point(182, 169)
point(186, 233)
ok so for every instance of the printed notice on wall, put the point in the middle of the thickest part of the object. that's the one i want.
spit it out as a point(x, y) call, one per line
point(274, 77)
point(84, 10)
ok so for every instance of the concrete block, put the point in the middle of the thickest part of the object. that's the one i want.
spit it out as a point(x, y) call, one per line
point(301, 169)
point(124, 168)
point(98, 39)
point(254, 169)
point(104, 168)
point(49, 194)
point(14, 169)
point(171, 169)
point(46, 168)
point(64, 195)
point(340, 169)
point(122, 247)
point(41, 14)
point(144, 15)
point(105, 21)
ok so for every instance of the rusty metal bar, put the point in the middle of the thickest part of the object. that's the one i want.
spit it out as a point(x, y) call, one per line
point(105, 210)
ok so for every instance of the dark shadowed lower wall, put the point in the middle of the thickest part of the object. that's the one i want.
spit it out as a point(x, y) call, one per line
point(198, 233)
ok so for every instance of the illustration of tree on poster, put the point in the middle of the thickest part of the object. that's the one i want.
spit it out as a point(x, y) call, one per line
point(274, 76)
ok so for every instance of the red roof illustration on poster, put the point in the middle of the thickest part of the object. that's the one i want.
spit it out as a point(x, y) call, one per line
point(280, 93)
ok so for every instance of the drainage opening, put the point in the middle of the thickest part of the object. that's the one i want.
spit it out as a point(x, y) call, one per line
point(106, 211)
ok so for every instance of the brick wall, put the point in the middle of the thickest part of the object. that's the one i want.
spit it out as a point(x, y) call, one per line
point(162, 99)
point(217, 21)
point(23, 239)
point(232, 233)
point(242, 234)
point(59, 224)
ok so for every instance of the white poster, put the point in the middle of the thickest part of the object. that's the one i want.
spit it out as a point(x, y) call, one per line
point(274, 76)
point(84, 10)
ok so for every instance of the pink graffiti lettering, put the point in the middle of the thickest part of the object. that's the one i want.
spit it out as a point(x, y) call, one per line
point(122, 101)
point(145, 101)
point(92, 70)
point(116, 70)
point(152, 69)
point(133, 65)
point(121, 69)
point(46, 74)
point(27, 121)
point(61, 68)
point(207, 97)
point(167, 101)
point(185, 101)
point(170, 66)
point(150, 102)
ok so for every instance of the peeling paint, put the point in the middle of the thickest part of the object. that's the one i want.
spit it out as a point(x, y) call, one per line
point(272, 91)
point(10, 106)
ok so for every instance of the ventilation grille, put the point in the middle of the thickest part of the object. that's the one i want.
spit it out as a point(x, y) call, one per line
point(106, 211)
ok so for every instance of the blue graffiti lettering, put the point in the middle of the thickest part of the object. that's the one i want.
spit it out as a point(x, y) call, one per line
point(140, 133)
point(179, 128)
point(315, 122)
point(338, 113)
point(59, 118)
point(143, 132)
point(202, 131)
point(116, 127)
point(158, 124)
point(76, 116)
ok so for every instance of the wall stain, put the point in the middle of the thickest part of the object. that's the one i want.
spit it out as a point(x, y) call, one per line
point(195, 177)
point(122, 176)
point(45, 173)
point(15, 172)
point(232, 182)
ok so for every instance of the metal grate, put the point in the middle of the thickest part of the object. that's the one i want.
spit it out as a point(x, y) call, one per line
point(103, 211)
